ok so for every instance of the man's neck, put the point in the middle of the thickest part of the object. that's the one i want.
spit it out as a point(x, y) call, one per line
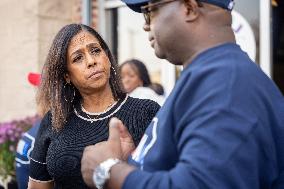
point(213, 38)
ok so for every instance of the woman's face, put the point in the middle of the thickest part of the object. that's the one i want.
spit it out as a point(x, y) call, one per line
point(130, 77)
point(87, 64)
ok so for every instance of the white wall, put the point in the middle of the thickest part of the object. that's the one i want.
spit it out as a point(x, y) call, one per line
point(27, 28)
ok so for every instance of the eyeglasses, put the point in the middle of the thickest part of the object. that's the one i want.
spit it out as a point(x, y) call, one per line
point(146, 10)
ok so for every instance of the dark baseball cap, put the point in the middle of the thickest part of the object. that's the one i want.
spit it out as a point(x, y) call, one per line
point(136, 4)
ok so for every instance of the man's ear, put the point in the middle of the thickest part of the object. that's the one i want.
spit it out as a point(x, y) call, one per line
point(192, 10)
point(67, 78)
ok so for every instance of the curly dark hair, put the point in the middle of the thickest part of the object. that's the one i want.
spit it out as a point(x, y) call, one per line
point(141, 69)
point(54, 93)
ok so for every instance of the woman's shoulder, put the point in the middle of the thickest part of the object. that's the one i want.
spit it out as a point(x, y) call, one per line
point(45, 125)
point(47, 116)
point(141, 104)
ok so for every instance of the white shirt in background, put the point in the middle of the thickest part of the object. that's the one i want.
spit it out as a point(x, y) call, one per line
point(147, 93)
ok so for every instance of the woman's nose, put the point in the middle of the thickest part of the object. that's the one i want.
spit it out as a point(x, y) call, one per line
point(124, 81)
point(90, 60)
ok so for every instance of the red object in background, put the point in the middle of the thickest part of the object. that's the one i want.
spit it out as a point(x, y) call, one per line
point(34, 79)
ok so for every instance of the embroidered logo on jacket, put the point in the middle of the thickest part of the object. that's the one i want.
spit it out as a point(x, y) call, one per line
point(145, 144)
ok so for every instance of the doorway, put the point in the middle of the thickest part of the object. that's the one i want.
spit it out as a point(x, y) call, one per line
point(278, 43)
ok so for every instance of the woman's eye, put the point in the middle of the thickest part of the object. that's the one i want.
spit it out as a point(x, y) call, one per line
point(95, 50)
point(132, 76)
point(77, 58)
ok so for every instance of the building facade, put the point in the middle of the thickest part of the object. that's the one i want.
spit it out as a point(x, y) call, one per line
point(28, 27)
point(27, 30)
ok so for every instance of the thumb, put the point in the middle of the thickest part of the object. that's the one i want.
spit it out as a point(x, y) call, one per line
point(124, 133)
point(114, 133)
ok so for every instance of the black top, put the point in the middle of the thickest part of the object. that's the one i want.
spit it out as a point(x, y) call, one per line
point(57, 155)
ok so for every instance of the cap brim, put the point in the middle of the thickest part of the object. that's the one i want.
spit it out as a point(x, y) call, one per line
point(135, 5)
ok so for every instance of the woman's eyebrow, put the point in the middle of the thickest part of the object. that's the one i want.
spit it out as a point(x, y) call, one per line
point(93, 44)
point(76, 52)
point(88, 46)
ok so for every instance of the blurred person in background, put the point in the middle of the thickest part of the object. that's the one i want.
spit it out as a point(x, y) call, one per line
point(82, 88)
point(136, 81)
point(158, 88)
point(26, 143)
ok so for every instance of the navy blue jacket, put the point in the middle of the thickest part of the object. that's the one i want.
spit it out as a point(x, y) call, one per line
point(222, 127)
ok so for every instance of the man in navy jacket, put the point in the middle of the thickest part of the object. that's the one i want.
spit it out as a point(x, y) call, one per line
point(221, 127)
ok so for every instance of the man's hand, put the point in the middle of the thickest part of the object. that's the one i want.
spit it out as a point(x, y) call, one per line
point(126, 141)
point(119, 145)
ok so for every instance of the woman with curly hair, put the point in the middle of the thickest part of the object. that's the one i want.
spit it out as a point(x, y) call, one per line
point(82, 89)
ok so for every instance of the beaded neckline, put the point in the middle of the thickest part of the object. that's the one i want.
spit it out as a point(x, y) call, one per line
point(89, 119)
point(98, 113)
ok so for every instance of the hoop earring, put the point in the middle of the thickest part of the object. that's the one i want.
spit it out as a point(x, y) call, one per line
point(113, 70)
point(65, 89)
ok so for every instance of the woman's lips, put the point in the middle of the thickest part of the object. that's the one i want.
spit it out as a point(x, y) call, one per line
point(95, 74)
